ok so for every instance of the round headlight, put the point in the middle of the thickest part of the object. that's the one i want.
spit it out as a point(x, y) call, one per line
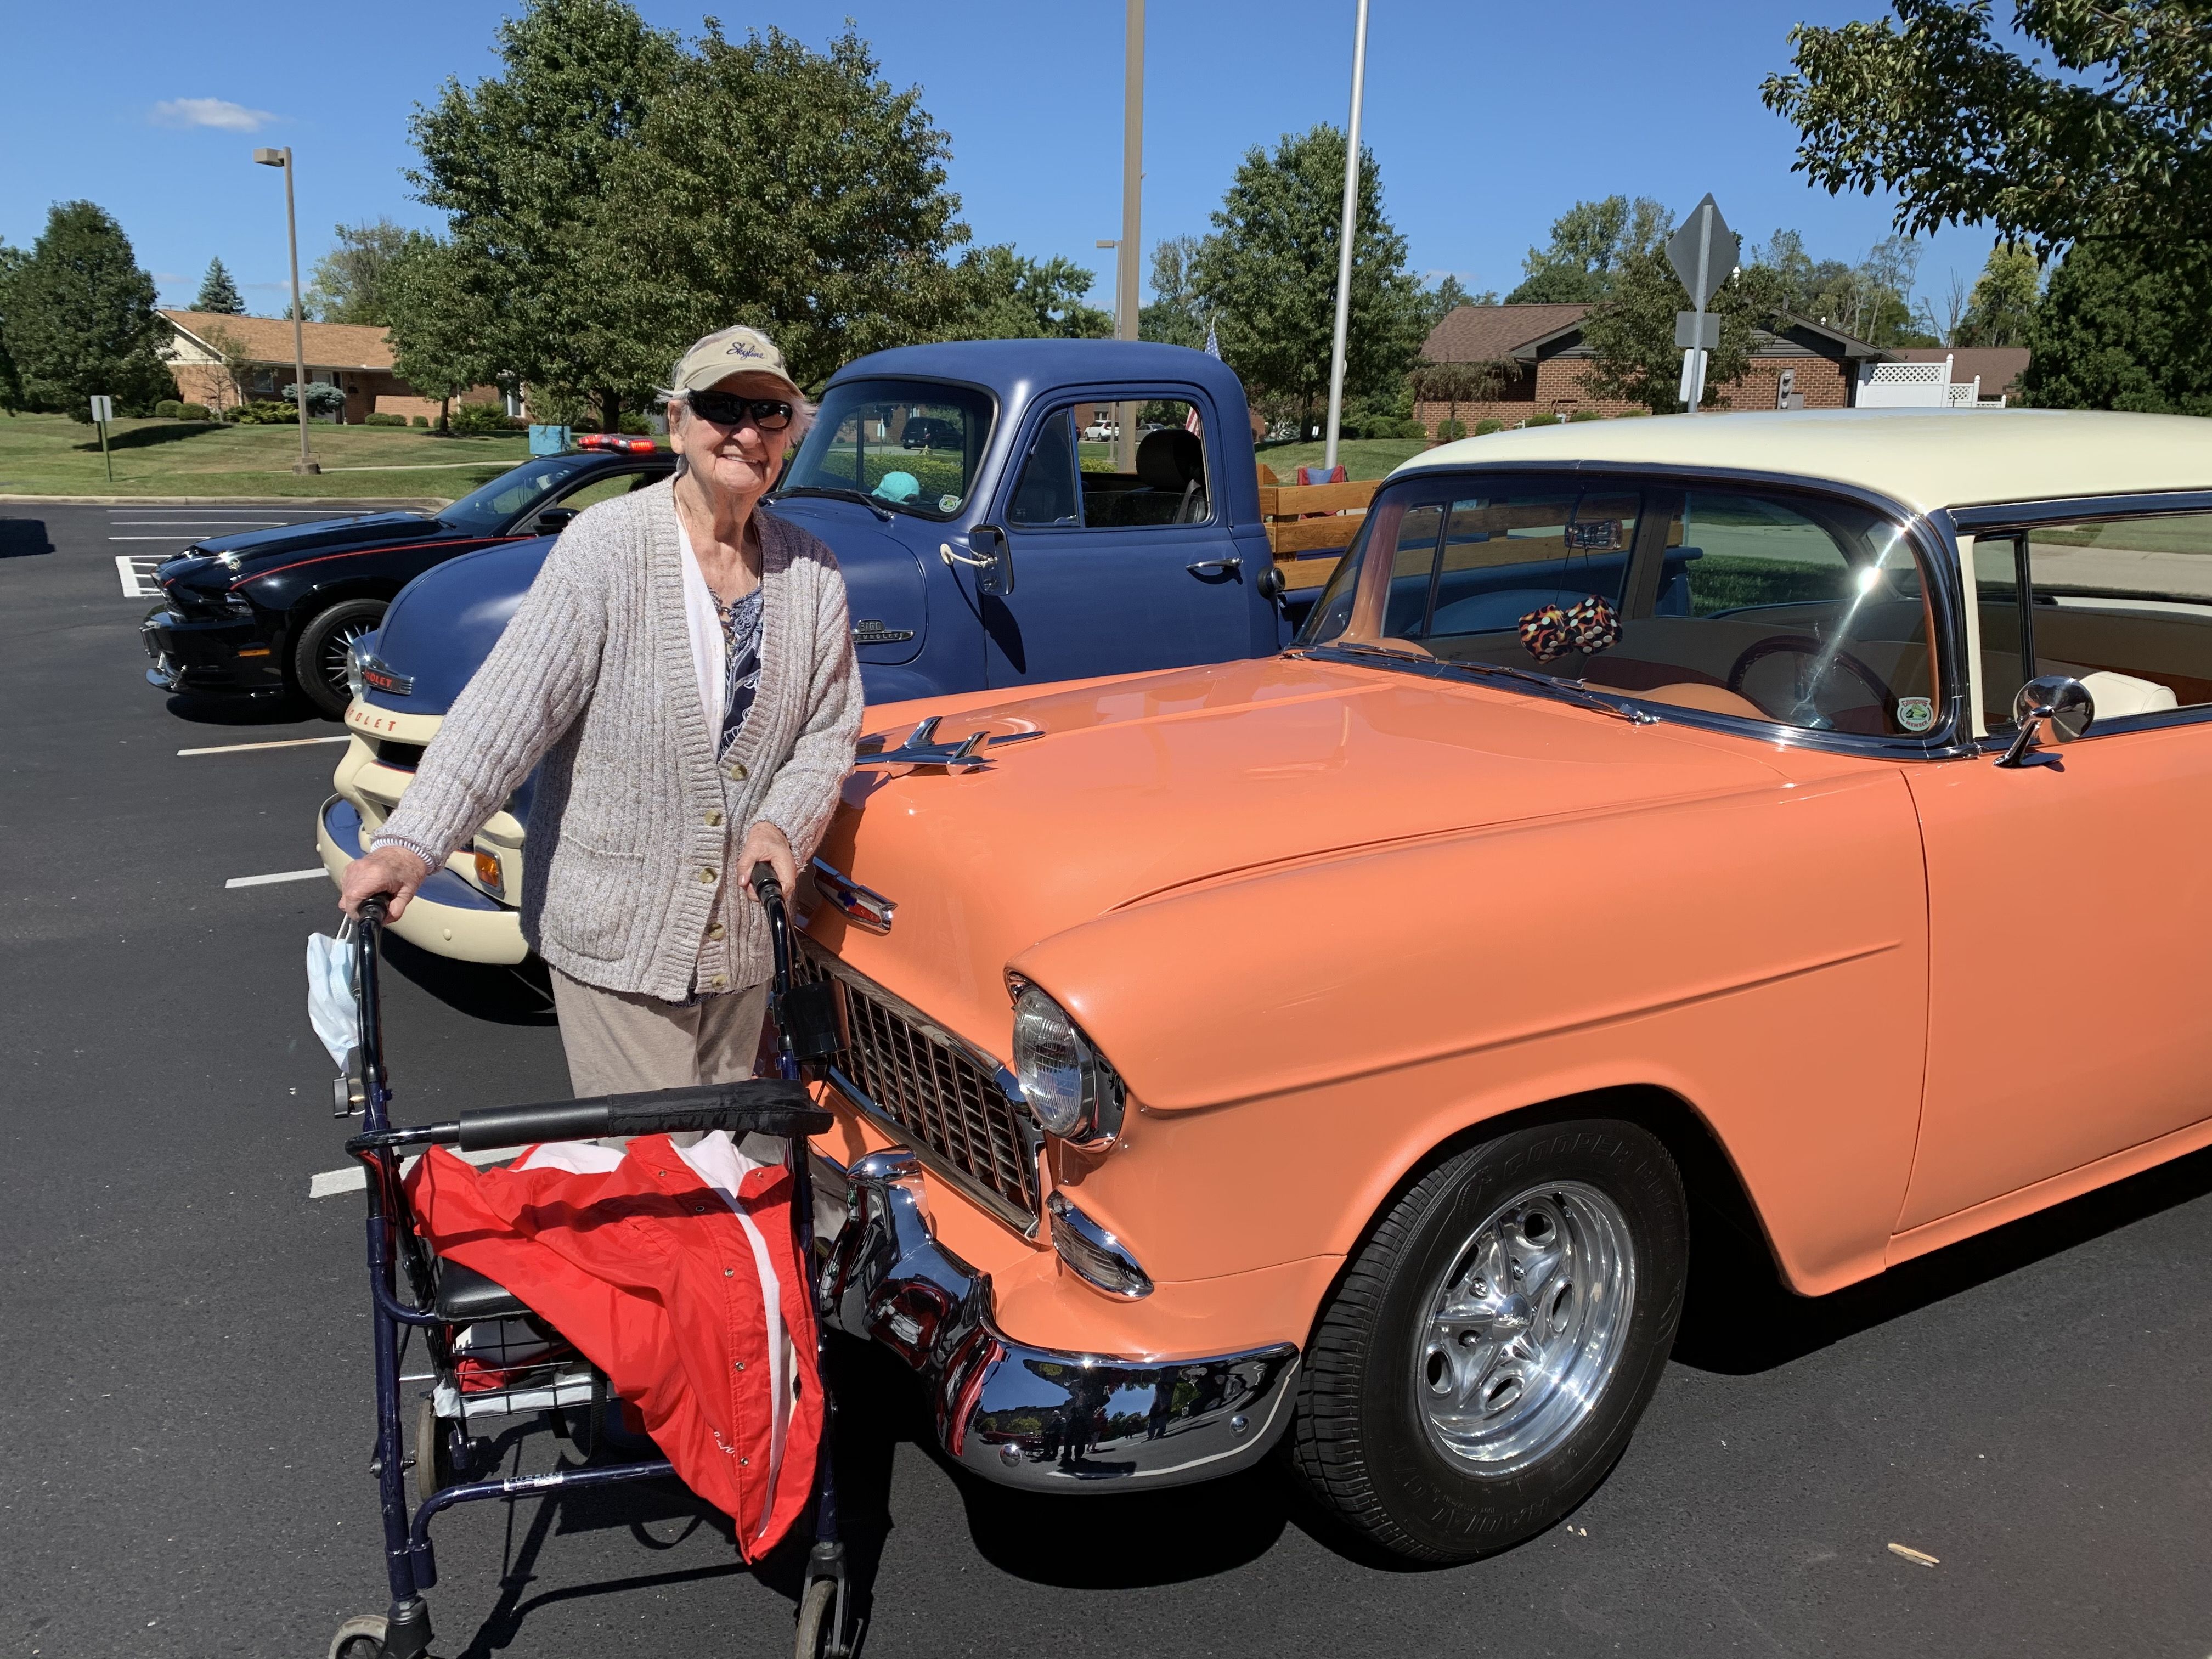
point(1054, 1066)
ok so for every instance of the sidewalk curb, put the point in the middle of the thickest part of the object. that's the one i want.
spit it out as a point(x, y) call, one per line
point(372, 503)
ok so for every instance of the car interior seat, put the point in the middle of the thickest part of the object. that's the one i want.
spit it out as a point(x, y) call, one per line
point(1171, 463)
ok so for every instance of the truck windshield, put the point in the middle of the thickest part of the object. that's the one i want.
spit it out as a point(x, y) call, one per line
point(912, 446)
point(487, 511)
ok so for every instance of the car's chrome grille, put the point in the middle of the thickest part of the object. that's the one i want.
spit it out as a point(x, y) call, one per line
point(932, 1092)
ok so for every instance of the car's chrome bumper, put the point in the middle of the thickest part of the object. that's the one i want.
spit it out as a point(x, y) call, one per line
point(1030, 1416)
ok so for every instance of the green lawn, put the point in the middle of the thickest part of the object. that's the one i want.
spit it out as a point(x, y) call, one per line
point(1360, 458)
point(53, 455)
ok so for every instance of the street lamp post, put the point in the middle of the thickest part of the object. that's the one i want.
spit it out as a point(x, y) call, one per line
point(282, 158)
point(1350, 224)
point(1133, 189)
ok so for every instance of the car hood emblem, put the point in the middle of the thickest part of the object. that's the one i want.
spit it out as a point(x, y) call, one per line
point(863, 905)
point(923, 748)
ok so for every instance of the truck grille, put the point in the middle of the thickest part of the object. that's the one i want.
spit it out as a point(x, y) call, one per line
point(931, 1092)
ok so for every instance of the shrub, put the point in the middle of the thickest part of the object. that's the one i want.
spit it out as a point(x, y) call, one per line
point(1585, 414)
point(1488, 424)
point(1541, 420)
point(378, 417)
point(479, 418)
point(193, 412)
point(1448, 430)
point(264, 414)
point(167, 410)
point(635, 426)
point(421, 421)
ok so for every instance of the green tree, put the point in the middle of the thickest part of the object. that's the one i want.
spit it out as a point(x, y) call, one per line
point(525, 164)
point(83, 318)
point(1177, 314)
point(218, 293)
point(1630, 333)
point(1590, 242)
point(2112, 139)
point(440, 324)
point(1455, 383)
point(2121, 326)
point(1009, 297)
point(349, 281)
point(236, 360)
point(11, 384)
point(791, 189)
point(1446, 297)
point(1269, 273)
point(2001, 311)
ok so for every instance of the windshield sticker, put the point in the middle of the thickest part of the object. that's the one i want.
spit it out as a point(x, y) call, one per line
point(1916, 713)
point(948, 503)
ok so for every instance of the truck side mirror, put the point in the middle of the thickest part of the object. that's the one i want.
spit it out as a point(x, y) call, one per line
point(994, 559)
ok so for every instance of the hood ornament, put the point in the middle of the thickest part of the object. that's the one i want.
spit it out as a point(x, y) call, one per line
point(921, 748)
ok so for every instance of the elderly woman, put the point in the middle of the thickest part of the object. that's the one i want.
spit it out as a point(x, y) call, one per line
point(684, 669)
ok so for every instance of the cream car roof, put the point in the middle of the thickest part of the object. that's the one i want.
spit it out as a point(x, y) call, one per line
point(1923, 459)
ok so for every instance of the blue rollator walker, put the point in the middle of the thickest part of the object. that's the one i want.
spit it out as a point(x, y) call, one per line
point(472, 1327)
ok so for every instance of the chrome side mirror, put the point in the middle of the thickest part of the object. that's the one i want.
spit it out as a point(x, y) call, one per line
point(2055, 704)
point(996, 576)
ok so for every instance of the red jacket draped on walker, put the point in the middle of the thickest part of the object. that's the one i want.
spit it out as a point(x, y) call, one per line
point(673, 1270)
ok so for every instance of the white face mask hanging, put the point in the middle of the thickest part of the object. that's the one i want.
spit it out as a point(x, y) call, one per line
point(333, 1007)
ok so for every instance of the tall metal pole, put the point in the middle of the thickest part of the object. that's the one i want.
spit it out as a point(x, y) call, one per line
point(1351, 224)
point(307, 461)
point(1132, 189)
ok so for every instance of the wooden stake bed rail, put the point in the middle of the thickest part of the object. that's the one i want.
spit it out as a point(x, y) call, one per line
point(1306, 547)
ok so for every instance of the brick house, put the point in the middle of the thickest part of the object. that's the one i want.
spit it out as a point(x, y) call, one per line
point(354, 358)
point(1804, 365)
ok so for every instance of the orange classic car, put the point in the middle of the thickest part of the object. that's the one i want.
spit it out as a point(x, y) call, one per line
point(1796, 816)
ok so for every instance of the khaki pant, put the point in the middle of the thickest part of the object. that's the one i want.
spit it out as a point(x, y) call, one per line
point(618, 1043)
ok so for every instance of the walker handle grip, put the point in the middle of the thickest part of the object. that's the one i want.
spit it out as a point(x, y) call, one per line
point(766, 888)
point(757, 1105)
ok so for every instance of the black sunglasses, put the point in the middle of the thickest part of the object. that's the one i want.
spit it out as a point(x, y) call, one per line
point(728, 409)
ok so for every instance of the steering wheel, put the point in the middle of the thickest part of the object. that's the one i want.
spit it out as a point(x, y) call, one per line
point(1807, 711)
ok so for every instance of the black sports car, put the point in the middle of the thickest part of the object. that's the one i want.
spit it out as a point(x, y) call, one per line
point(271, 611)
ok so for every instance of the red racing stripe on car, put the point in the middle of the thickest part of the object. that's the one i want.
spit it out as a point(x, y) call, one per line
point(400, 547)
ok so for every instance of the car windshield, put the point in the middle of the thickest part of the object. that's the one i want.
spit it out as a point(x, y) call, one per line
point(1766, 604)
point(487, 510)
point(912, 446)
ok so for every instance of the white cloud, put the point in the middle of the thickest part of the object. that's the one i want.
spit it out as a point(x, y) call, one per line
point(218, 112)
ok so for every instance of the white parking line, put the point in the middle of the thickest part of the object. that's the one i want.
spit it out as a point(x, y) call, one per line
point(136, 570)
point(285, 743)
point(316, 874)
point(329, 1183)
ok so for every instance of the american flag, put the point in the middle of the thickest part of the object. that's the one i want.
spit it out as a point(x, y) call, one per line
point(1213, 344)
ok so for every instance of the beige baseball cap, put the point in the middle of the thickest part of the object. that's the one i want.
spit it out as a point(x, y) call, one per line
point(731, 351)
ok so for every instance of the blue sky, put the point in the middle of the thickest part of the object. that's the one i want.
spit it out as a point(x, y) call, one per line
point(1488, 120)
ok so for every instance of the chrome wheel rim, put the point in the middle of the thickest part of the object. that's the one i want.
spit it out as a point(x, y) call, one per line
point(1525, 1328)
point(334, 652)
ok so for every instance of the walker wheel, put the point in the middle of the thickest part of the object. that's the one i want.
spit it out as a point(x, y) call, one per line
point(819, 1636)
point(360, 1636)
point(433, 1460)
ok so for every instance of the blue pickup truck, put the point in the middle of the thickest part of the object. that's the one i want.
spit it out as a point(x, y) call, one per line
point(984, 543)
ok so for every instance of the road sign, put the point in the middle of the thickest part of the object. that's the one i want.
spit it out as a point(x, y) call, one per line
point(1703, 252)
point(1701, 329)
point(103, 409)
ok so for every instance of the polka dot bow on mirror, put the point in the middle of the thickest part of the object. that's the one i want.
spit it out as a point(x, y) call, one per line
point(1589, 624)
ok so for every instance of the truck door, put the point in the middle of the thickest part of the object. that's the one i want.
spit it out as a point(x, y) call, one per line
point(1115, 572)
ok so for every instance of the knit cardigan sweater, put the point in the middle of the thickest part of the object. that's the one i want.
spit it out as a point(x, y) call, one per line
point(635, 818)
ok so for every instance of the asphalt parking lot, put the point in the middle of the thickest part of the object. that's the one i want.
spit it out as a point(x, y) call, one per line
point(184, 1336)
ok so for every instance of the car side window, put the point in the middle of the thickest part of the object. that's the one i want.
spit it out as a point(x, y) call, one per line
point(1045, 494)
point(2125, 605)
point(604, 488)
point(1169, 486)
